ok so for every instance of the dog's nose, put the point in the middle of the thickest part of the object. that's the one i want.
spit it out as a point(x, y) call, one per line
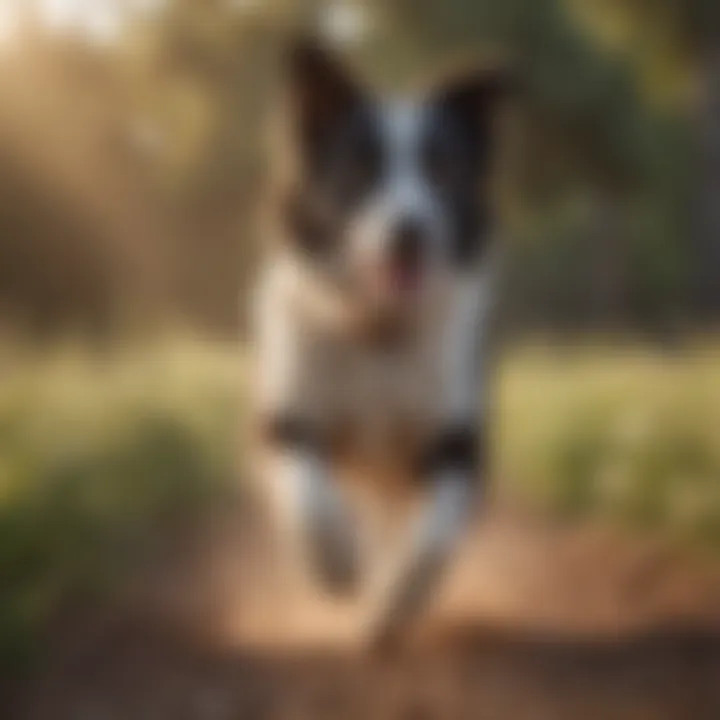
point(407, 242)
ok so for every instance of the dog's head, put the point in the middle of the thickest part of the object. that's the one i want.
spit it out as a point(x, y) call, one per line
point(388, 194)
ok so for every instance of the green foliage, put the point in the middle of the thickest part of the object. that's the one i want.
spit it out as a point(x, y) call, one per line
point(152, 187)
point(588, 133)
point(94, 461)
point(629, 435)
point(665, 39)
point(98, 459)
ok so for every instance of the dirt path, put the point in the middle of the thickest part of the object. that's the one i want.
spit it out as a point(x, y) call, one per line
point(536, 622)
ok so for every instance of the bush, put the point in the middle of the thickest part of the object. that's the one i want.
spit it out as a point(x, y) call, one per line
point(627, 434)
point(94, 459)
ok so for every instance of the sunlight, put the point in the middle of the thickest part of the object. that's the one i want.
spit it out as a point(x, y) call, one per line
point(99, 21)
point(345, 22)
point(58, 15)
point(9, 22)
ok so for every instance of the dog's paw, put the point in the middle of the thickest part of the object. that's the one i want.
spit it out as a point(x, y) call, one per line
point(383, 640)
point(399, 599)
point(334, 553)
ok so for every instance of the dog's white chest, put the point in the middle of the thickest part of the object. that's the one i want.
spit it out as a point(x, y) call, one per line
point(322, 371)
point(382, 394)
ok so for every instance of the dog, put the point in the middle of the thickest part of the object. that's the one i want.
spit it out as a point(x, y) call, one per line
point(372, 312)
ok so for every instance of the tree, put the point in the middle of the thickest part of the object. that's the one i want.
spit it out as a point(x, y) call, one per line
point(676, 46)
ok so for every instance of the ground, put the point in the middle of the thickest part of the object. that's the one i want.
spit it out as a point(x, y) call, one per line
point(537, 621)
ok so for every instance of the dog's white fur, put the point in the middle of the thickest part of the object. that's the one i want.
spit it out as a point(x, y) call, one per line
point(310, 362)
point(405, 192)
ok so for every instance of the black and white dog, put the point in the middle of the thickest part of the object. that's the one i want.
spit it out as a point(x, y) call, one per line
point(372, 310)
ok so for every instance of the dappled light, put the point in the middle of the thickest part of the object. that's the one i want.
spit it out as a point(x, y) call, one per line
point(140, 575)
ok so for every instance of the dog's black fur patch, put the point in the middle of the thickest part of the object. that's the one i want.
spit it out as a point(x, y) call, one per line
point(461, 448)
point(339, 170)
point(342, 156)
point(293, 432)
point(455, 159)
point(337, 145)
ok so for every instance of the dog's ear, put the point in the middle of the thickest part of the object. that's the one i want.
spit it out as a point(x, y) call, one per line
point(322, 90)
point(474, 98)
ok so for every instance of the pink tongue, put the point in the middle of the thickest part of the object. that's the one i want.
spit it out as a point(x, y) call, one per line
point(405, 277)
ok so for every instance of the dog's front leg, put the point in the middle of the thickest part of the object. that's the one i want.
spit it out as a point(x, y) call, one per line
point(453, 495)
point(453, 469)
point(314, 510)
point(314, 515)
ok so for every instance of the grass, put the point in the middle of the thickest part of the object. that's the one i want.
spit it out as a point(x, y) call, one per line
point(95, 456)
point(629, 434)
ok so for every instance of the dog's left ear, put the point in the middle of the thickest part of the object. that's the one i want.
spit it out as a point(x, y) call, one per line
point(475, 98)
point(322, 89)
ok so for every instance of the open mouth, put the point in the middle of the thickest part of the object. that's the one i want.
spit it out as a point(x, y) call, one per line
point(405, 276)
point(395, 281)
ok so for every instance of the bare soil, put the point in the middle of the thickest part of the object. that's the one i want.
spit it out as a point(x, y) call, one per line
point(536, 622)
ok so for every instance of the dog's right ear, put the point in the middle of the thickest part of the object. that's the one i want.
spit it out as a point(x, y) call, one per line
point(321, 89)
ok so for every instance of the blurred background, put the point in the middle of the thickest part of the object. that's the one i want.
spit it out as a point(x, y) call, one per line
point(132, 160)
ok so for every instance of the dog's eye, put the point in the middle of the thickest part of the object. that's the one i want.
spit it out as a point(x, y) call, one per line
point(359, 171)
point(438, 166)
point(363, 172)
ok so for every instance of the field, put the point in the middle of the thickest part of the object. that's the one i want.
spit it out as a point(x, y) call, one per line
point(95, 456)
point(101, 460)
point(629, 433)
